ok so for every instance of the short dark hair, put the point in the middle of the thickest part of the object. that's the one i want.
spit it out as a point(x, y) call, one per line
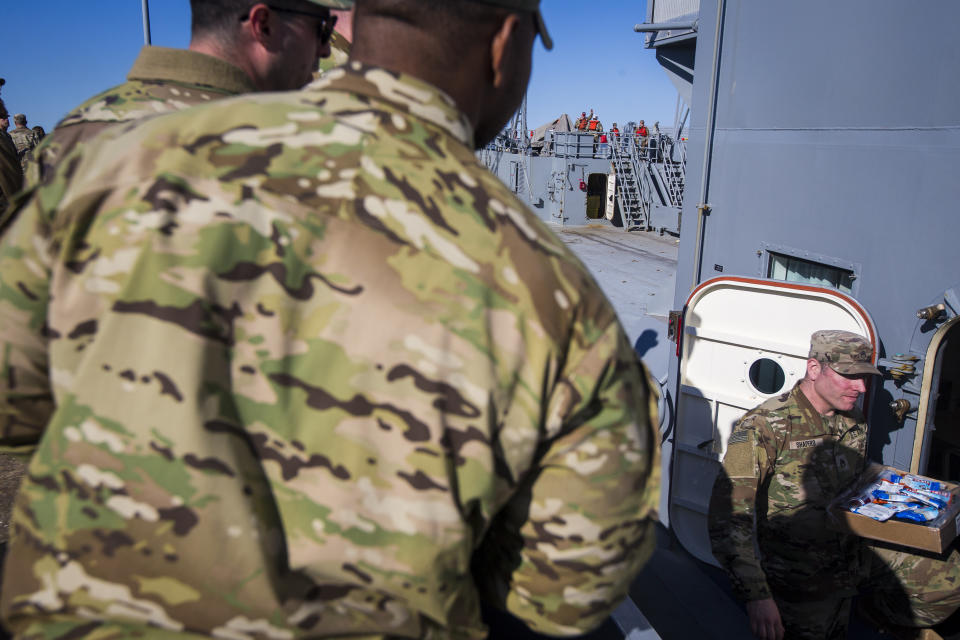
point(219, 18)
point(461, 20)
point(216, 17)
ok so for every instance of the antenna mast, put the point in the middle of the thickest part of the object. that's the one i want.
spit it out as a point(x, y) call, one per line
point(146, 21)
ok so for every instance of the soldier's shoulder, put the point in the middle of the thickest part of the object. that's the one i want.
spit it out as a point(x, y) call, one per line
point(770, 411)
point(108, 105)
point(777, 403)
point(136, 99)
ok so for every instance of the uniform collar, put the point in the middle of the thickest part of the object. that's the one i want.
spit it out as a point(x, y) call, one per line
point(406, 93)
point(182, 66)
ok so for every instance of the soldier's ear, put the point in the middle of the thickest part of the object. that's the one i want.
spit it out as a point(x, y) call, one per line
point(500, 48)
point(814, 368)
point(259, 21)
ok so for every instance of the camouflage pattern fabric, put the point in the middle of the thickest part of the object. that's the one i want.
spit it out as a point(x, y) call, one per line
point(339, 53)
point(784, 464)
point(827, 618)
point(798, 461)
point(311, 366)
point(913, 589)
point(11, 172)
point(25, 140)
point(11, 470)
point(901, 591)
point(843, 351)
point(161, 80)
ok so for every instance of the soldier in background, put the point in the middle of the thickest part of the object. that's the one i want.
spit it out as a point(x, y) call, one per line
point(37, 129)
point(24, 139)
point(272, 47)
point(318, 371)
point(643, 135)
point(786, 461)
point(11, 179)
point(581, 123)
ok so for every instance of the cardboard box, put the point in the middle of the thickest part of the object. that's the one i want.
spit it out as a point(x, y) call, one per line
point(933, 536)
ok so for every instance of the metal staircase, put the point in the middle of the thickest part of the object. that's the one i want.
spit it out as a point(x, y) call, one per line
point(631, 183)
point(646, 177)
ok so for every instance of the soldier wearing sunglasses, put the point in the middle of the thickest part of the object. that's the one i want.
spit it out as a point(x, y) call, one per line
point(273, 46)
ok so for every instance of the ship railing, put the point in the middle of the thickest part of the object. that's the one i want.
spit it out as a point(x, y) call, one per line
point(576, 144)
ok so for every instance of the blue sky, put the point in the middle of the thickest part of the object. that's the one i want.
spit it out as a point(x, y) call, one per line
point(74, 50)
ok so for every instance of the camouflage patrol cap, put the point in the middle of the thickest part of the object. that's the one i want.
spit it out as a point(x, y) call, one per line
point(843, 351)
point(525, 5)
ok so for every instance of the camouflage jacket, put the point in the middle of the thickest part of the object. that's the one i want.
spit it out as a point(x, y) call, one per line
point(25, 140)
point(313, 371)
point(160, 80)
point(11, 173)
point(784, 464)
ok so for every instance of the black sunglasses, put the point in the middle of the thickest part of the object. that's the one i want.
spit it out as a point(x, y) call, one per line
point(324, 29)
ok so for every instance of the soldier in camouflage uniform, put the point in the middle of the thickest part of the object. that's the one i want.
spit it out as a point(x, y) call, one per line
point(298, 365)
point(274, 47)
point(786, 461)
point(11, 176)
point(24, 139)
point(226, 57)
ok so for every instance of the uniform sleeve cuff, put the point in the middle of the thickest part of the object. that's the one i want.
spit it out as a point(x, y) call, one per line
point(749, 593)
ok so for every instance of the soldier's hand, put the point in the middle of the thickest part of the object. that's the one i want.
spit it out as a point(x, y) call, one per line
point(765, 620)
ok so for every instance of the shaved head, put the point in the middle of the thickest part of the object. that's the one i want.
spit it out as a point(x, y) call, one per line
point(459, 22)
point(479, 54)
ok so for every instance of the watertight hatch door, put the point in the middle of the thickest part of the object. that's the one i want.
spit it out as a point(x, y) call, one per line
point(743, 341)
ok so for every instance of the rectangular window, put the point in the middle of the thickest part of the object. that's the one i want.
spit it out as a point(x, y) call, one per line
point(793, 269)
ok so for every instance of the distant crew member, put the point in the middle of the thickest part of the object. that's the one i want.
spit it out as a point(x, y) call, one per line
point(655, 139)
point(581, 123)
point(24, 138)
point(595, 125)
point(37, 129)
point(643, 134)
point(270, 47)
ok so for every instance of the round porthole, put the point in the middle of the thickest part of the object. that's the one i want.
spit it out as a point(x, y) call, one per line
point(767, 376)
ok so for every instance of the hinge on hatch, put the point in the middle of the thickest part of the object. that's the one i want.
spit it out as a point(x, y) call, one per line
point(674, 327)
point(901, 367)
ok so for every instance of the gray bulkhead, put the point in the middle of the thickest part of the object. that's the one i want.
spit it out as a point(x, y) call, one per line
point(550, 184)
